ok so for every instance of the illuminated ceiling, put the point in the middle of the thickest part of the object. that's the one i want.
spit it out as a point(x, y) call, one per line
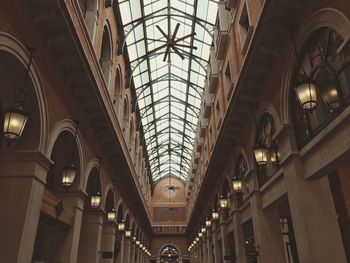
point(168, 92)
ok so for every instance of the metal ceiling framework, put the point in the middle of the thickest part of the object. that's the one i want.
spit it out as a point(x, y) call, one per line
point(168, 93)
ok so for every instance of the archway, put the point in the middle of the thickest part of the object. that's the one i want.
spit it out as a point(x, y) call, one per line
point(91, 226)
point(106, 55)
point(118, 91)
point(89, 10)
point(55, 227)
point(19, 219)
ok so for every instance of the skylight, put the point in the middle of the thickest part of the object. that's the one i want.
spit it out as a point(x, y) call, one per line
point(168, 92)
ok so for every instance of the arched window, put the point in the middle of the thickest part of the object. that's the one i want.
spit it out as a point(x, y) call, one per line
point(265, 149)
point(89, 10)
point(117, 92)
point(126, 117)
point(106, 55)
point(169, 252)
point(323, 65)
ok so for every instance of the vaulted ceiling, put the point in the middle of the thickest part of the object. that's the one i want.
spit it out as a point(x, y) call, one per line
point(168, 43)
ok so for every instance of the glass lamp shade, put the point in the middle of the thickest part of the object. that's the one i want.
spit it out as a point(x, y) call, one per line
point(127, 233)
point(207, 223)
point(203, 229)
point(223, 202)
point(330, 94)
point(200, 234)
point(15, 120)
point(121, 226)
point(273, 156)
point(111, 215)
point(260, 154)
point(197, 239)
point(215, 215)
point(95, 200)
point(134, 238)
point(68, 175)
point(194, 242)
point(237, 184)
point(137, 242)
point(306, 93)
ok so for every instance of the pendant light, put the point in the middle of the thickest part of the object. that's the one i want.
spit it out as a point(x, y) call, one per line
point(306, 89)
point(121, 226)
point(111, 215)
point(207, 223)
point(95, 200)
point(237, 184)
point(223, 202)
point(15, 117)
point(215, 215)
point(70, 171)
point(330, 93)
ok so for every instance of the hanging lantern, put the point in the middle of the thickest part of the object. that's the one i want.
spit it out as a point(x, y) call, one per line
point(121, 226)
point(223, 202)
point(137, 242)
point(134, 238)
point(260, 153)
point(207, 223)
point(237, 184)
point(15, 120)
point(95, 200)
point(306, 93)
point(127, 233)
point(111, 215)
point(200, 234)
point(68, 175)
point(330, 94)
point(203, 229)
point(274, 156)
point(215, 215)
point(197, 239)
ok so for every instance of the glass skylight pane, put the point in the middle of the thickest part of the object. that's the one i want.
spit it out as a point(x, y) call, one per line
point(151, 77)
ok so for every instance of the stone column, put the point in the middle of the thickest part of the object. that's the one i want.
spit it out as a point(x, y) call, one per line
point(239, 238)
point(128, 243)
point(132, 252)
point(223, 234)
point(22, 182)
point(215, 243)
point(120, 257)
point(91, 236)
point(314, 218)
point(69, 251)
point(267, 232)
point(108, 240)
point(209, 248)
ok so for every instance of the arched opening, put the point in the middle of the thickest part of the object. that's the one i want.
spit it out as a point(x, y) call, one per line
point(12, 75)
point(22, 195)
point(169, 253)
point(118, 91)
point(119, 242)
point(91, 227)
point(131, 136)
point(265, 150)
point(106, 55)
point(56, 217)
point(323, 61)
point(89, 10)
point(126, 117)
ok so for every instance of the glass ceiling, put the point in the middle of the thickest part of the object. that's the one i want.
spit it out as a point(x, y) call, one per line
point(168, 92)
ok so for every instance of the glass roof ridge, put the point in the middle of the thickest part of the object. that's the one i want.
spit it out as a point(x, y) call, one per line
point(168, 43)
